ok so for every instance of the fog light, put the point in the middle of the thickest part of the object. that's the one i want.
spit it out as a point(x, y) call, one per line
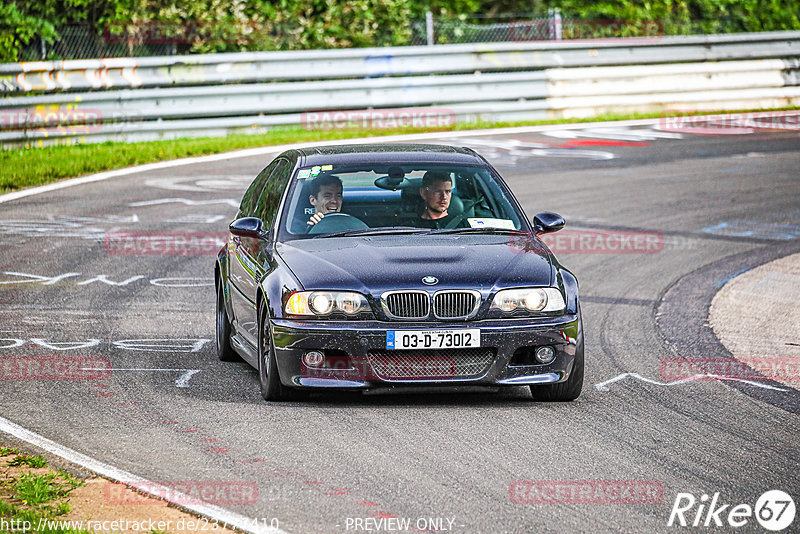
point(545, 354)
point(313, 358)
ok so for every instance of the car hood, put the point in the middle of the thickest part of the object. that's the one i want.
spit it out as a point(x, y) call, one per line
point(373, 264)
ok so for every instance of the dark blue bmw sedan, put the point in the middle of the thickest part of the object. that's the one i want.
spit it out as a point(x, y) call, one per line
point(368, 266)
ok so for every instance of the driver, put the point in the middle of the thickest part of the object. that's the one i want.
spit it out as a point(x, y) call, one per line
point(436, 191)
point(325, 197)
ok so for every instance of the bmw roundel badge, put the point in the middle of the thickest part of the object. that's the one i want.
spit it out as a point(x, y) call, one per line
point(430, 280)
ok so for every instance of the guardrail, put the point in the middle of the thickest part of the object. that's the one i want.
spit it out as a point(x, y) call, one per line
point(217, 94)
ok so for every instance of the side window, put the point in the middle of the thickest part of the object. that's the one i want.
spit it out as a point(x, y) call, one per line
point(250, 197)
point(273, 191)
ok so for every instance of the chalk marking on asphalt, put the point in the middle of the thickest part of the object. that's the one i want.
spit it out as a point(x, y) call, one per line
point(603, 386)
point(144, 344)
point(211, 511)
point(181, 382)
point(275, 149)
point(161, 282)
point(188, 202)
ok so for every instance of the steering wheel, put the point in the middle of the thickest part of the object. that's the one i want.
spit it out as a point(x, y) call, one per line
point(337, 222)
point(455, 221)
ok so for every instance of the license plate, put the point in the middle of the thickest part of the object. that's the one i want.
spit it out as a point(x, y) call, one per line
point(433, 339)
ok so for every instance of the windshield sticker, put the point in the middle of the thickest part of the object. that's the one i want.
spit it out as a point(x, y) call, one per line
point(315, 170)
point(327, 167)
point(303, 173)
point(475, 222)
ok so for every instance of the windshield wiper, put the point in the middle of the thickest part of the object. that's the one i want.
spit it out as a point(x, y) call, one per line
point(388, 230)
point(479, 230)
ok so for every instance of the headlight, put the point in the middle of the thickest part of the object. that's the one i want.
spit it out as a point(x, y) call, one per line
point(316, 303)
point(534, 299)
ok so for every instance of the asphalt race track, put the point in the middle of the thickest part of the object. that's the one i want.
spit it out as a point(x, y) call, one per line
point(712, 205)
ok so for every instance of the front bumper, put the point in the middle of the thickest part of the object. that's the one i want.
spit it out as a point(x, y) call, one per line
point(353, 341)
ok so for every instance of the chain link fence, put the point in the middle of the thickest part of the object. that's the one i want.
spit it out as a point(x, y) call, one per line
point(179, 38)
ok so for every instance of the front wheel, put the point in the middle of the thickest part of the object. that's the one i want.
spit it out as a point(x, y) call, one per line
point(268, 379)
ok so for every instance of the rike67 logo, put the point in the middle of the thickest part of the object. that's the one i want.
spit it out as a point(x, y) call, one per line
point(774, 510)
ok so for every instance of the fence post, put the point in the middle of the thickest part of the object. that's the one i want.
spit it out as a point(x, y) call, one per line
point(429, 27)
point(554, 14)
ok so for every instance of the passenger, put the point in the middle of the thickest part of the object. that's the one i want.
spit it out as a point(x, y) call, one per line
point(436, 191)
point(325, 197)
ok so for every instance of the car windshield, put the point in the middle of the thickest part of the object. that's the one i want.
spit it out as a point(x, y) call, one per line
point(337, 200)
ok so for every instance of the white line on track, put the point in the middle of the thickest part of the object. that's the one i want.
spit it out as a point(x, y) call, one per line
point(280, 148)
point(603, 386)
point(212, 512)
point(181, 382)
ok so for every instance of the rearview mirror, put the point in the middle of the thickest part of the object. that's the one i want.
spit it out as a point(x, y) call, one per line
point(547, 221)
point(248, 227)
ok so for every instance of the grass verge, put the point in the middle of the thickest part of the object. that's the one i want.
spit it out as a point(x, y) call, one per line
point(21, 168)
point(36, 498)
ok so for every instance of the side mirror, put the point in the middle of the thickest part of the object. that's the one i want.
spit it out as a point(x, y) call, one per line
point(547, 221)
point(248, 227)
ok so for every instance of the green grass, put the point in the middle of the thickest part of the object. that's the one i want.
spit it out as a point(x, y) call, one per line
point(7, 451)
point(30, 461)
point(37, 498)
point(21, 168)
point(36, 489)
point(9, 513)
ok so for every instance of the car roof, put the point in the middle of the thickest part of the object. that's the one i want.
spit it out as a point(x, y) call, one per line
point(387, 153)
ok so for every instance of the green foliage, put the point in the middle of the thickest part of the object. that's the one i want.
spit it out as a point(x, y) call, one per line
point(17, 28)
point(36, 489)
point(30, 461)
point(239, 25)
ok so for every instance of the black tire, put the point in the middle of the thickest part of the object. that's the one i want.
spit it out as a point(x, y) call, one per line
point(223, 327)
point(268, 379)
point(566, 391)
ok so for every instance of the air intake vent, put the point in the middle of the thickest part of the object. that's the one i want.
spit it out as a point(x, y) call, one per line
point(407, 304)
point(455, 304)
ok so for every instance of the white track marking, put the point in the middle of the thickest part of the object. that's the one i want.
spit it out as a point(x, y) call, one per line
point(229, 201)
point(618, 134)
point(205, 184)
point(181, 382)
point(162, 345)
point(213, 512)
point(64, 345)
point(198, 218)
point(603, 386)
